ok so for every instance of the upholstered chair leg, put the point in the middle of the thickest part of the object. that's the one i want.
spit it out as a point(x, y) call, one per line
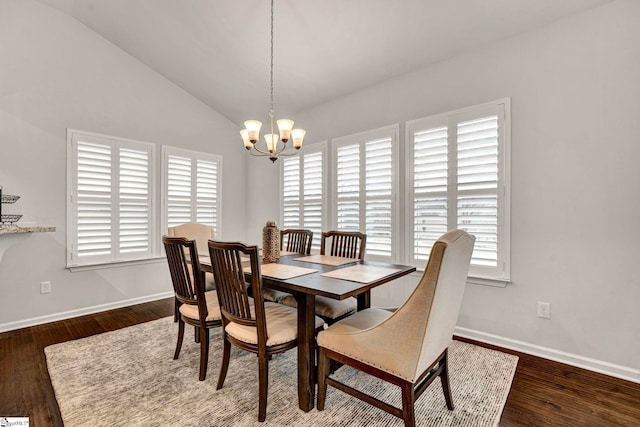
point(175, 310)
point(444, 379)
point(226, 353)
point(263, 379)
point(323, 372)
point(180, 336)
point(204, 352)
point(196, 334)
point(408, 399)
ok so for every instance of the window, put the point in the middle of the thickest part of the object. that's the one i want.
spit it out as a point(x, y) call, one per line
point(365, 188)
point(111, 193)
point(303, 191)
point(191, 188)
point(458, 178)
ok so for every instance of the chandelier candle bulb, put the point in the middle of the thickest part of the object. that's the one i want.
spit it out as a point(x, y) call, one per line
point(284, 127)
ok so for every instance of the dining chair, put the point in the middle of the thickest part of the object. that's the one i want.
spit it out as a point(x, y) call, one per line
point(349, 244)
point(296, 240)
point(263, 328)
point(407, 348)
point(201, 233)
point(195, 305)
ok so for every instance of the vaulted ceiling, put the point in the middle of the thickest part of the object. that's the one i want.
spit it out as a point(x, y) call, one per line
point(218, 50)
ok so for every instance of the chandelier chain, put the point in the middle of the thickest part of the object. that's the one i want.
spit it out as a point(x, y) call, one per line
point(271, 72)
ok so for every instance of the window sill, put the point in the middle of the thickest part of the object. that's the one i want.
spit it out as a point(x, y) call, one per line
point(475, 280)
point(115, 264)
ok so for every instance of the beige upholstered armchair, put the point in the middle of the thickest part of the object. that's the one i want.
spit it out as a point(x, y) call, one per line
point(201, 233)
point(407, 348)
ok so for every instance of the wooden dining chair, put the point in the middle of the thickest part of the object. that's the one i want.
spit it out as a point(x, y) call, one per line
point(195, 305)
point(349, 244)
point(292, 240)
point(201, 233)
point(407, 348)
point(263, 328)
point(297, 240)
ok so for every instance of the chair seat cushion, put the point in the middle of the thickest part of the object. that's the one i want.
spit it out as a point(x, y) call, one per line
point(328, 308)
point(191, 311)
point(273, 295)
point(360, 321)
point(282, 326)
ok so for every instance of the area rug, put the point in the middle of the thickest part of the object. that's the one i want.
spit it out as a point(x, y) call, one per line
point(128, 378)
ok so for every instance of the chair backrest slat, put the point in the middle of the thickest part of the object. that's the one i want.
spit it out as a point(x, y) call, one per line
point(350, 244)
point(298, 240)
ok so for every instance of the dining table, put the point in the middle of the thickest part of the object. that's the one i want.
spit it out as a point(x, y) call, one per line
point(306, 277)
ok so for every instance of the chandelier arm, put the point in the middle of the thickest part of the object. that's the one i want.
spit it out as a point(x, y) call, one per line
point(263, 153)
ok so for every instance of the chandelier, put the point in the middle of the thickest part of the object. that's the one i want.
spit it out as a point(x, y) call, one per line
point(274, 149)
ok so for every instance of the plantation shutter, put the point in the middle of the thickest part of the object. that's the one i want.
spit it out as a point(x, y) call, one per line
point(111, 189)
point(206, 192)
point(459, 169)
point(178, 190)
point(94, 200)
point(313, 196)
point(303, 192)
point(348, 187)
point(291, 192)
point(134, 202)
point(378, 187)
point(429, 188)
point(192, 188)
point(365, 189)
point(477, 153)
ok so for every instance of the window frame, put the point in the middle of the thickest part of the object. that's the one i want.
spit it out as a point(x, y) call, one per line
point(501, 275)
point(194, 156)
point(74, 136)
point(362, 138)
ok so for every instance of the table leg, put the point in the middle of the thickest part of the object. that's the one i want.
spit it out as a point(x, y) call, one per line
point(364, 300)
point(306, 351)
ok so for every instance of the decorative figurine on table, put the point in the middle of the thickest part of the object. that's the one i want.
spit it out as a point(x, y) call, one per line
point(270, 243)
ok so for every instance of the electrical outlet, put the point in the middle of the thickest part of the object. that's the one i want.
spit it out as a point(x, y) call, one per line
point(45, 287)
point(544, 310)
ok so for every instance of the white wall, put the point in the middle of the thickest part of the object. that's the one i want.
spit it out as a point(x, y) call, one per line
point(575, 91)
point(55, 73)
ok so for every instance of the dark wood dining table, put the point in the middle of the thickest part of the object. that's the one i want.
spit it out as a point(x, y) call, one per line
point(305, 288)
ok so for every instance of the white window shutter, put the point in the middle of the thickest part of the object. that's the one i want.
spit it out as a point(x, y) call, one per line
point(477, 153)
point(191, 188)
point(94, 194)
point(348, 187)
point(134, 202)
point(430, 168)
point(291, 197)
point(206, 192)
point(313, 195)
point(178, 190)
point(378, 199)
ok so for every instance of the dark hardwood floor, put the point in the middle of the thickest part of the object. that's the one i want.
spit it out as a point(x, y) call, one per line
point(544, 393)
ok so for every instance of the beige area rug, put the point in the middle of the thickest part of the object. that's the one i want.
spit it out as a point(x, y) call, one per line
point(129, 378)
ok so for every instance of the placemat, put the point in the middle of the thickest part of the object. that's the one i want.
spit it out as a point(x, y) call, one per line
point(361, 273)
point(327, 260)
point(282, 271)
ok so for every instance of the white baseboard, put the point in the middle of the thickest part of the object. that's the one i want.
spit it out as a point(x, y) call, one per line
point(4, 327)
point(618, 371)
